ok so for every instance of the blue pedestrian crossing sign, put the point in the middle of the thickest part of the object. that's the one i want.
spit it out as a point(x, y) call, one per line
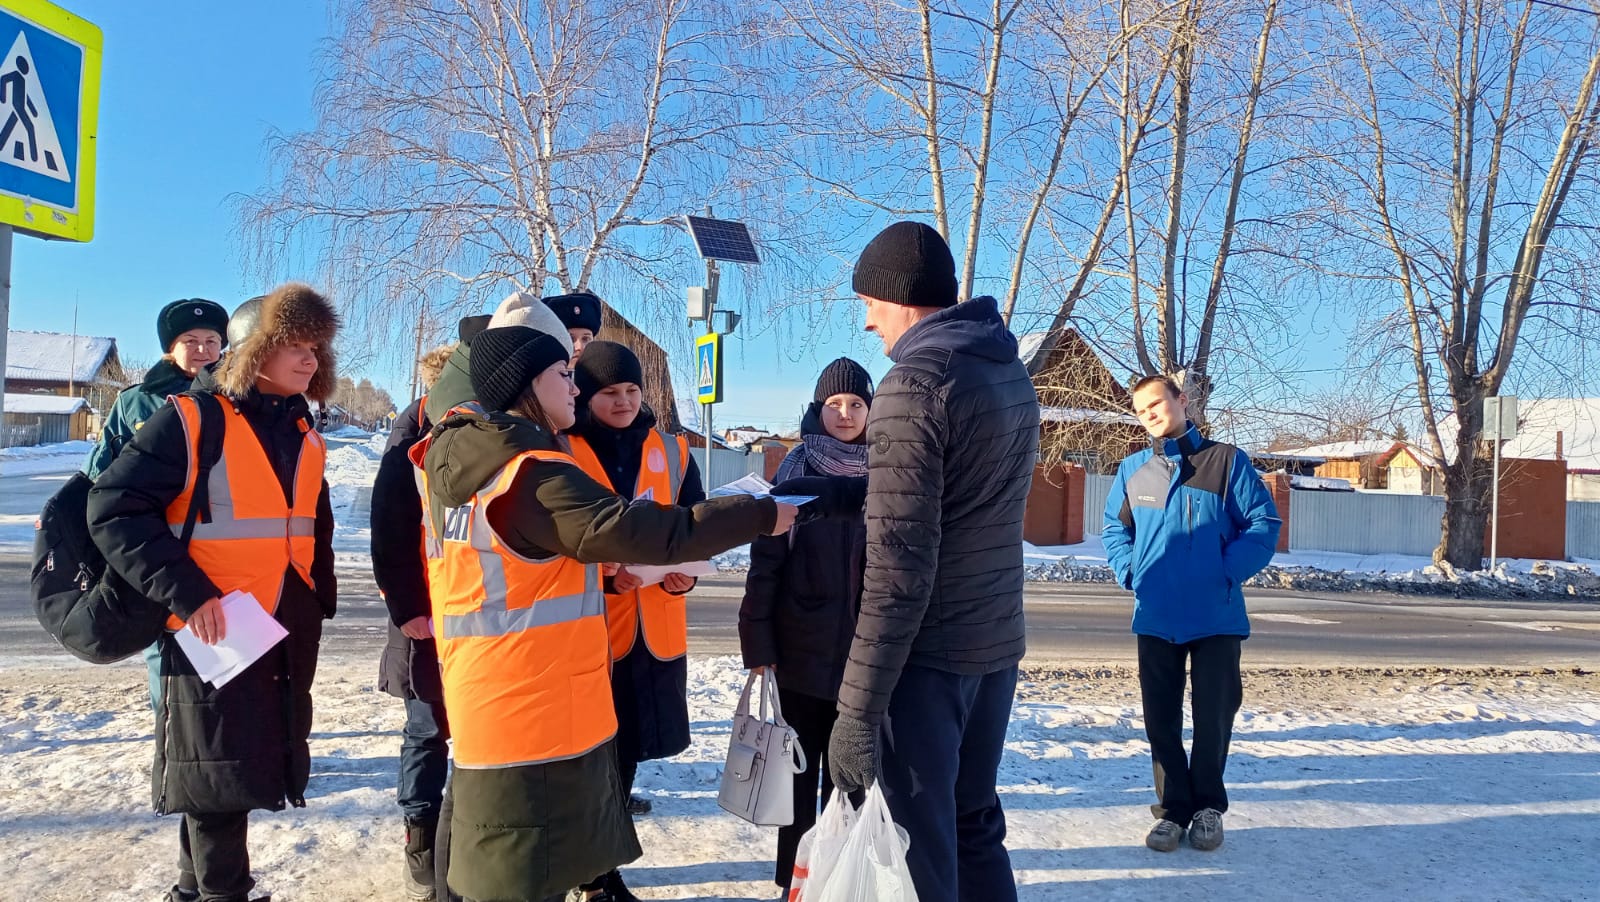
point(708, 368)
point(49, 110)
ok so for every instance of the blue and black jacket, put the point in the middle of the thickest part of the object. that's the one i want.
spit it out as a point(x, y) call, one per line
point(1187, 521)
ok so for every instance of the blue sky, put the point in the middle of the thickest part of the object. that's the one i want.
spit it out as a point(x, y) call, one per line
point(190, 90)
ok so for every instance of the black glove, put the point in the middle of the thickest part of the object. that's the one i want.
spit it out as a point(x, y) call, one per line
point(853, 753)
point(837, 496)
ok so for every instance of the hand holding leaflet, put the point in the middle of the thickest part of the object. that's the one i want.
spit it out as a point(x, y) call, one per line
point(251, 632)
point(751, 484)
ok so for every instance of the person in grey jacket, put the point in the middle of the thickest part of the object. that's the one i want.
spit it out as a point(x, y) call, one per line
point(952, 441)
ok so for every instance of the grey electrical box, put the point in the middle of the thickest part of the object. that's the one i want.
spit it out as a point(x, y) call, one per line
point(1500, 418)
point(697, 303)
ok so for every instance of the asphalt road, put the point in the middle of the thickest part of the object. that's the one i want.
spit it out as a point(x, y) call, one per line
point(1083, 624)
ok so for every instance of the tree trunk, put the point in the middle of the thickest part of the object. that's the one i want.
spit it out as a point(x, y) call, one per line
point(1467, 486)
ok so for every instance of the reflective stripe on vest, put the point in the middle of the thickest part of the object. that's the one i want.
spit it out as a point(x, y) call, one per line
point(249, 535)
point(522, 643)
point(662, 617)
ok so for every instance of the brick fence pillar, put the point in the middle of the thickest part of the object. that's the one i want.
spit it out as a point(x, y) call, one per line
point(1072, 504)
point(1278, 484)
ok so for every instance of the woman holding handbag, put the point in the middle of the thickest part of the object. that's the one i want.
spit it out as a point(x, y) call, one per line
point(804, 589)
point(516, 535)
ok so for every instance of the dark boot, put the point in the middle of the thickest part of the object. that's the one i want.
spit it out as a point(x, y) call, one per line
point(616, 890)
point(419, 858)
point(179, 894)
point(637, 806)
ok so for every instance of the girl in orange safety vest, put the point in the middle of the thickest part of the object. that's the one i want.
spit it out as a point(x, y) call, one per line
point(515, 533)
point(266, 529)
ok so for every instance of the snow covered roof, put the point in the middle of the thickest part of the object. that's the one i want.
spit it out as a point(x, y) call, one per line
point(1028, 345)
point(1538, 421)
point(1081, 415)
point(43, 404)
point(1341, 450)
point(56, 356)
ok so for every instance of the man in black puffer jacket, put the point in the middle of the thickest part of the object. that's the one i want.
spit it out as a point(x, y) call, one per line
point(953, 438)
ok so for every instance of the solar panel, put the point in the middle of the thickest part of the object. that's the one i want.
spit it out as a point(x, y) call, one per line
point(722, 239)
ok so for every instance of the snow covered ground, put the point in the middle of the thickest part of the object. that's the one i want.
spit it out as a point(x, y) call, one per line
point(1420, 784)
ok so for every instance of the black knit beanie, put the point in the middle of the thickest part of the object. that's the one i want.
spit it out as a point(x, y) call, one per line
point(506, 360)
point(908, 263)
point(602, 365)
point(843, 376)
point(579, 310)
point(179, 317)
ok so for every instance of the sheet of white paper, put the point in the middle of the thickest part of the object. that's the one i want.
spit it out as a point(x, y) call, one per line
point(751, 484)
point(653, 575)
point(250, 632)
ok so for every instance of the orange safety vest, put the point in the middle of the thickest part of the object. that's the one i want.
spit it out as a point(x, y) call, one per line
point(652, 610)
point(522, 642)
point(252, 535)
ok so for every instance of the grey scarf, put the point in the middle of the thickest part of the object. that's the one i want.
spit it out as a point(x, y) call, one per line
point(825, 455)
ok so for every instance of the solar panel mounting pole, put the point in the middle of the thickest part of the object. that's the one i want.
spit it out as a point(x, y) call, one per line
point(711, 304)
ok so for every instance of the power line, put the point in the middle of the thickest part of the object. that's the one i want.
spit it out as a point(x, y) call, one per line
point(1570, 9)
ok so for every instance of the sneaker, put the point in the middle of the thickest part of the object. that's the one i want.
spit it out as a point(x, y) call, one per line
point(1164, 836)
point(637, 806)
point(1205, 831)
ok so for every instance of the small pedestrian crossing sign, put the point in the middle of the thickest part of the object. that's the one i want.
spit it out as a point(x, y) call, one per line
point(708, 368)
point(49, 107)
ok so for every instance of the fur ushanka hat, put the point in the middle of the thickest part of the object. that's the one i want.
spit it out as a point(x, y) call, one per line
point(289, 313)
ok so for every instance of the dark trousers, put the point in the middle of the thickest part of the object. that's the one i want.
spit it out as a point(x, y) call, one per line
point(441, 852)
point(1186, 784)
point(213, 859)
point(943, 737)
point(812, 718)
point(424, 759)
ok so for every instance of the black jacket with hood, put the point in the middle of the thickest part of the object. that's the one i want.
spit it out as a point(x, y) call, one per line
point(802, 594)
point(650, 695)
point(954, 438)
point(242, 746)
point(533, 831)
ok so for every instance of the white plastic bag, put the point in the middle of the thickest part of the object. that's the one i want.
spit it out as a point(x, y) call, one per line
point(872, 863)
point(819, 848)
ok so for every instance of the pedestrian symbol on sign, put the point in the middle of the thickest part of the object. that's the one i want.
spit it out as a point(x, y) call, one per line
point(28, 138)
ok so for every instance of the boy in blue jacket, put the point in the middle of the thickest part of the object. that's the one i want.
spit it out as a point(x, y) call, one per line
point(1187, 521)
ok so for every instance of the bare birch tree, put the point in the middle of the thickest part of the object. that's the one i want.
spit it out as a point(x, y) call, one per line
point(1463, 149)
point(464, 147)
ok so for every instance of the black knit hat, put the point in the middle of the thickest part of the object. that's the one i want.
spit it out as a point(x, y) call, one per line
point(908, 263)
point(579, 310)
point(179, 317)
point(602, 365)
point(843, 376)
point(506, 360)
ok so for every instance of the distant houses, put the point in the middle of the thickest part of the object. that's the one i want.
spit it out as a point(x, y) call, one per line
point(58, 386)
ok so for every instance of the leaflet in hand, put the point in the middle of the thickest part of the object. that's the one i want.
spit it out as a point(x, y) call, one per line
point(249, 633)
point(652, 575)
point(751, 484)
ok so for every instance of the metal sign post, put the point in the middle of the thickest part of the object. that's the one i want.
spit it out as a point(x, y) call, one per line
point(715, 239)
point(1499, 425)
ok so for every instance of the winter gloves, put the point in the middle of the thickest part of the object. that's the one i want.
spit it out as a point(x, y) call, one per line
point(853, 753)
point(837, 496)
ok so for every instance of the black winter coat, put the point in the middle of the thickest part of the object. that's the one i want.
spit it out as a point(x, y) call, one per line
point(242, 746)
point(651, 695)
point(800, 601)
point(954, 437)
point(408, 668)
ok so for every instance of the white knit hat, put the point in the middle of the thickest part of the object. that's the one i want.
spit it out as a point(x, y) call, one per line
point(523, 309)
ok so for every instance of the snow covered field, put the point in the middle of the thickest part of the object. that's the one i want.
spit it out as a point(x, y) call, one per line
point(1423, 784)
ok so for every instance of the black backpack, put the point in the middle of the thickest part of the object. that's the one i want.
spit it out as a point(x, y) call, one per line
point(86, 606)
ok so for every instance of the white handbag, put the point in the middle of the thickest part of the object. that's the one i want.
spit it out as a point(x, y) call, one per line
point(763, 758)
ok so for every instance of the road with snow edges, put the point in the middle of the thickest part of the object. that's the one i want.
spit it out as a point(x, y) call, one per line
point(1083, 624)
